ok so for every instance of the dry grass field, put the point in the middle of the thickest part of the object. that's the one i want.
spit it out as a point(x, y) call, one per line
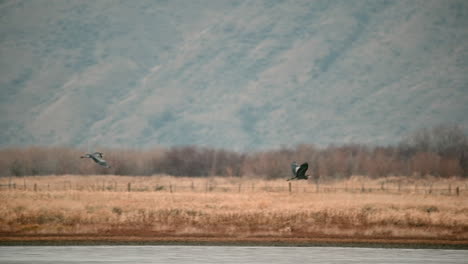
point(233, 208)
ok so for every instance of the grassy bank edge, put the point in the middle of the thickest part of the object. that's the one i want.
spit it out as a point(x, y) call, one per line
point(74, 240)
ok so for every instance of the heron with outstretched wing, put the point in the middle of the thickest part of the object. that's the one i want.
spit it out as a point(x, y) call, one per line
point(299, 171)
point(98, 158)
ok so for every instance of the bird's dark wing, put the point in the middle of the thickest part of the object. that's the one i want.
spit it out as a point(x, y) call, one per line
point(96, 159)
point(302, 170)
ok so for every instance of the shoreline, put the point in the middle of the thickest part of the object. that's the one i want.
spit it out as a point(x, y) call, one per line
point(96, 240)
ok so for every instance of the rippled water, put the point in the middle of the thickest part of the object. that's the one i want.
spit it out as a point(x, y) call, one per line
point(225, 254)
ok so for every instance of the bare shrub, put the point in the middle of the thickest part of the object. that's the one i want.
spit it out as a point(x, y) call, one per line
point(439, 151)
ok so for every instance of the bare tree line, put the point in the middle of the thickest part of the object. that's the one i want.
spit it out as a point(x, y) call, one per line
point(440, 151)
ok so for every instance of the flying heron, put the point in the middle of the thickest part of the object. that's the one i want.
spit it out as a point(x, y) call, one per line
point(97, 157)
point(299, 171)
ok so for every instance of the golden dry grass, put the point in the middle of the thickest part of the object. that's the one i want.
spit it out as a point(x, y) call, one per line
point(234, 207)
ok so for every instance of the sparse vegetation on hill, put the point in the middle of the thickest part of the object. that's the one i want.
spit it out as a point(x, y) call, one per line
point(231, 74)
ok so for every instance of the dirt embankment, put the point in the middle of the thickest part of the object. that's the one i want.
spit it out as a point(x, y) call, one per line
point(161, 239)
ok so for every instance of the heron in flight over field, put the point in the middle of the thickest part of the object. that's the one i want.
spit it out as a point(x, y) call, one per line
point(98, 158)
point(299, 171)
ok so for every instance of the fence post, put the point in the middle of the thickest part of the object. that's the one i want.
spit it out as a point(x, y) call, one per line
point(458, 191)
point(129, 187)
point(170, 188)
point(450, 188)
point(290, 188)
point(239, 187)
point(362, 188)
point(192, 186)
point(35, 187)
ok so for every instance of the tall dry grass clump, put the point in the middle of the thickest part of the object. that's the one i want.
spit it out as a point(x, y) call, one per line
point(232, 207)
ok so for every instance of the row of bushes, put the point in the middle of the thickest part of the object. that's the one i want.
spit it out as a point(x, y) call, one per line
point(440, 151)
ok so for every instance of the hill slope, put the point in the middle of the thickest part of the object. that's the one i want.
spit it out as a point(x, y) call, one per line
point(233, 74)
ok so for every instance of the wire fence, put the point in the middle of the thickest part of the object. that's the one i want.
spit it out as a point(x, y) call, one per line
point(289, 187)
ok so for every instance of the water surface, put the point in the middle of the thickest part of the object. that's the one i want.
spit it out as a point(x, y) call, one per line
point(225, 254)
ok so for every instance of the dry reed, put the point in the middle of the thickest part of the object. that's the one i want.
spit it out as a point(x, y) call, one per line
point(234, 207)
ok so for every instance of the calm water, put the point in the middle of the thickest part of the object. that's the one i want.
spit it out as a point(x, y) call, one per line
point(225, 254)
